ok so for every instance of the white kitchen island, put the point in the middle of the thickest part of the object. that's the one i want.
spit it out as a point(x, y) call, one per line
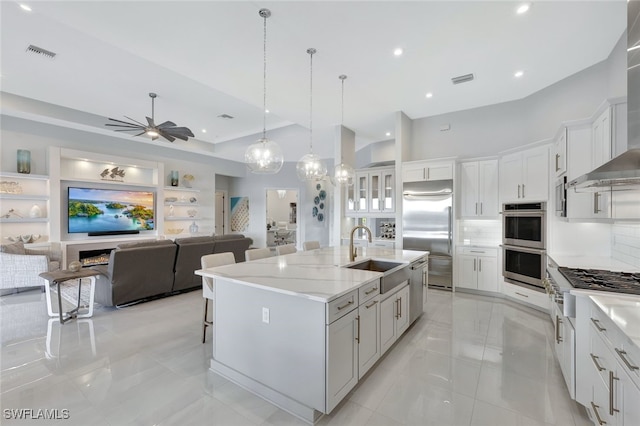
point(300, 330)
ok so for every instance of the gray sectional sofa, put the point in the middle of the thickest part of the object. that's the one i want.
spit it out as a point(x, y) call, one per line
point(152, 268)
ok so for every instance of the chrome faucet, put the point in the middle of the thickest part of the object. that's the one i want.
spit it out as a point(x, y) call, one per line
point(352, 250)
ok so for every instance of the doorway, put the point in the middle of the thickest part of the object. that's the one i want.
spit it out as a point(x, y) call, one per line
point(220, 213)
point(282, 216)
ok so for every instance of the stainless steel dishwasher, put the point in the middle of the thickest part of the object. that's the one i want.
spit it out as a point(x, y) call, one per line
point(417, 284)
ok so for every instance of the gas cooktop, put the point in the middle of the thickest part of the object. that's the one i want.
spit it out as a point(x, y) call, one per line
point(598, 279)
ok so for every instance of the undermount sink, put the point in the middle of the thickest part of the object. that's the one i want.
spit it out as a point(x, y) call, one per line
point(394, 273)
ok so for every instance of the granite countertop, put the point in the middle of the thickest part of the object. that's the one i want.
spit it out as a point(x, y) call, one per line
point(316, 274)
point(624, 311)
point(592, 262)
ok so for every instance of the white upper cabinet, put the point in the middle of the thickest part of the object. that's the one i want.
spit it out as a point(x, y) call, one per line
point(560, 153)
point(601, 139)
point(372, 194)
point(417, 171)
point(524, 176)
point(479, 189)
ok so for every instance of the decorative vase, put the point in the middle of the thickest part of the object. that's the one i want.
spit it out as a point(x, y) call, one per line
point(24, 161)
point(35, 212)
point(193, 228)
point(174, 178)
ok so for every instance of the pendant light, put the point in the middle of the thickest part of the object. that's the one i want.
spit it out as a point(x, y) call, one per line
point(343, 174)
point(264, 156)
point(310, 166)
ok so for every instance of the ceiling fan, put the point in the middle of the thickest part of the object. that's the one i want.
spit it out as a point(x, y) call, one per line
point(167, 130)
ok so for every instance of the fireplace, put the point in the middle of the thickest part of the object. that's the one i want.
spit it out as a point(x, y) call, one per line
point(94, 257)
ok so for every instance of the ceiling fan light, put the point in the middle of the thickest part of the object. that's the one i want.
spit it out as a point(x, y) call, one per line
point(343, 174)
point(264, 157)
point(311, 167)
point(152, 133)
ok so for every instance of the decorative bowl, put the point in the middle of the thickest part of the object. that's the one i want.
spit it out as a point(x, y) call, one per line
point(170, 199)
point(174, 231)
point(192, 212)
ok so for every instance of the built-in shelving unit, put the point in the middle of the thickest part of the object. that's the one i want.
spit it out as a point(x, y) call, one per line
point(179, 218)
point(24, 200)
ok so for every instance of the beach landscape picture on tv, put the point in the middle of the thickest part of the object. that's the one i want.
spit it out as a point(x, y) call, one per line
point(94, 210)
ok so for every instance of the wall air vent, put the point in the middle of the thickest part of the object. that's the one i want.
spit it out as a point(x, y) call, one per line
point(226, 116)
point(41, 51)
point(462, 79)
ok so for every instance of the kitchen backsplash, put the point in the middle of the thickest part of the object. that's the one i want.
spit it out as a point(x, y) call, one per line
point(482, 232)
point(625, 246)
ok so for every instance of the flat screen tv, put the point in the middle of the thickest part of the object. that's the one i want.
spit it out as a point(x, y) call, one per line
point(109, 211)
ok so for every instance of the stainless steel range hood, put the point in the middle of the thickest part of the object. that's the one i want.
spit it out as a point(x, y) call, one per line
point(622, 171)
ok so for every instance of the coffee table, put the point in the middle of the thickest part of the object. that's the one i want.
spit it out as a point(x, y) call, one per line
point(57, 278)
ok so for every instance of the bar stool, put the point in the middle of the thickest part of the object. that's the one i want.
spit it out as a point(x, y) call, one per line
point(255, 254)
point(311, 245)
point(286, 249)
point(211, 261)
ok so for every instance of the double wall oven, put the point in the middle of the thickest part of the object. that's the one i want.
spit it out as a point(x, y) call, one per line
point(524, 243)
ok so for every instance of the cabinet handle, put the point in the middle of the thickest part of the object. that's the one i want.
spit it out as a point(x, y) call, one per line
point(474, 264)
point(350, 302)
point(595, 358)
point(558, 338)
point(520, 294)
point(479, 265)
point(597, 324)
point(596, 203)
point(622, 354)
point(523, 190)
point(481, 208)
point(372, 304)
point(518, 190)
point(611, 379)
point(476, 208)
point(400, 306)
point(557, 158)
point(477, 251)
point(358, 332)
point(370, 291)
point(397, 310)
point(595, 411)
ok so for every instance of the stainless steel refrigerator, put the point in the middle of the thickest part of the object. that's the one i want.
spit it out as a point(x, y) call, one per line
point(427, 222)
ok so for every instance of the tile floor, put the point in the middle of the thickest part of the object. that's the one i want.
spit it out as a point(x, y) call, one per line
point(469, 360)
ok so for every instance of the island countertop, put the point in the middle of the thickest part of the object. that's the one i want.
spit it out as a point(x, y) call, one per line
point(316, 274)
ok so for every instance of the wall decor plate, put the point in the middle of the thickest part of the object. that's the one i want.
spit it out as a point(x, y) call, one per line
point(314, 212)
point(322, 194)
point(316, 200)
point(320, 217)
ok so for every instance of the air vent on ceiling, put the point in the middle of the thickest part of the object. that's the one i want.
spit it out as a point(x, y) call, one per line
point(226, 116)
point(462, 79)
point(41, 51)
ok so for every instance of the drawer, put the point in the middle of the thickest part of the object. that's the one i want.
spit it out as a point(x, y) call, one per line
point(628, 356)
point(384, 244)
point(342, 306)
point(535, 298)
point(601, 323)
point(480, 251)
point(601, 356)
point(368, 291)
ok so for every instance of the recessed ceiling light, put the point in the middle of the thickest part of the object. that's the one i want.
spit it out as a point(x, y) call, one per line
point(523, 8)
point(266, 111)
point(398, 51)
point(25, 7)
point(204, 130)
point(518, 74)
point(388, 134)
point(429, 95)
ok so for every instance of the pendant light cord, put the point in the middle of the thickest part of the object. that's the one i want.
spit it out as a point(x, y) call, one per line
point(342, 77)
point(311, 51)
point(264, 80)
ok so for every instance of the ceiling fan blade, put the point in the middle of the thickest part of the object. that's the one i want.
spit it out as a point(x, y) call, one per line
point(130, 126)
point(127, 130)
point(140, 134)
point(183, 131)
point(151, 123)
point(136, 121)
point(166, 124)
point(166, 135)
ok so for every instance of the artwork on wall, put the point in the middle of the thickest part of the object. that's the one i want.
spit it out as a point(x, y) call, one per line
point(319, 209)
point(239, 214)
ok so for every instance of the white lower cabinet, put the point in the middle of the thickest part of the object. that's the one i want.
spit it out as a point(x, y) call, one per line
point(368, 335)
point(607, 382)
point(342, 358)
point(394, 317)
point(478, 268)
